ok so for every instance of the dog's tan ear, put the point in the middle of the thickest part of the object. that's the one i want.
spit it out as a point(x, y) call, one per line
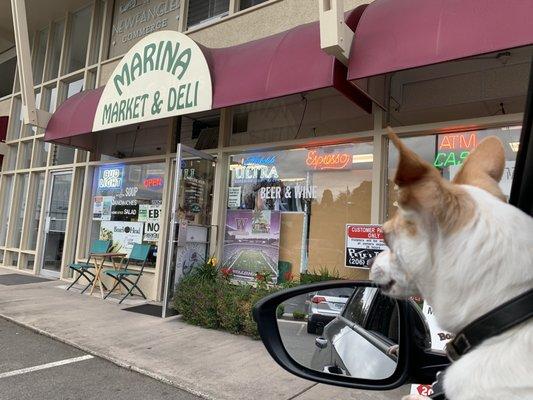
point(421, 186)
point(411, 167)
point(484, 167)
point(424, 191)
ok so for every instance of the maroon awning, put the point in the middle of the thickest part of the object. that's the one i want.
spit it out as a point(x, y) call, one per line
point(279, 65)
point(393, 35)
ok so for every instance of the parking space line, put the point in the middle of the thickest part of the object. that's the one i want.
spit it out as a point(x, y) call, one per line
point(45, 366)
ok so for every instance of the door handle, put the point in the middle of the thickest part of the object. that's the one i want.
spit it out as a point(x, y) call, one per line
point(321, 343)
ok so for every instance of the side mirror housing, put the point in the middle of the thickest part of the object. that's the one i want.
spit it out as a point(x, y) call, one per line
point(347, 333)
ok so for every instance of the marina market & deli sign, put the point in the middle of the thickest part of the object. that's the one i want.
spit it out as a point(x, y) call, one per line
point(165, 74)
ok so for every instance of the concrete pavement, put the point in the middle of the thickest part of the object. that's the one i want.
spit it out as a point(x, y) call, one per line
point(209, 363)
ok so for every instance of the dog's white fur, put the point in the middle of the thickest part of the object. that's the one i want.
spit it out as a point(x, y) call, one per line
point(464, 273)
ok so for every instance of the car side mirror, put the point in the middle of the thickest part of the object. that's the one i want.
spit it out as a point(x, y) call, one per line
point(342, 333)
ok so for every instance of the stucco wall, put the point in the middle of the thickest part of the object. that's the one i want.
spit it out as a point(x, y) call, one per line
point(272, 18)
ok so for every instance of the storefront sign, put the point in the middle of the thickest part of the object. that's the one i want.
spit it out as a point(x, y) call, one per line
point(127, 212)
point(253, 172)
point(163, 75)
point(134, 19)
point(288, 192)
point(363, 242)
point(315, 160)
point(111, 177)
point(453, 148)
point(259, 160)
point(234, 197)
point(122, 234)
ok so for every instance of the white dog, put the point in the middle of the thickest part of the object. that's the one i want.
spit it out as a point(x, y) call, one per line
point(461, 247)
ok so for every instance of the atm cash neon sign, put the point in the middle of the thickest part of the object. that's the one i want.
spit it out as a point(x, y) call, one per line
point(453, 148)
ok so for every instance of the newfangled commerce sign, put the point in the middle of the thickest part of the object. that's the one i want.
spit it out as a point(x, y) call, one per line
point(163, 75)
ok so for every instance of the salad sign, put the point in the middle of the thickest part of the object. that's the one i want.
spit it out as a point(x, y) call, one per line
point(165, 74)
point(363, 242)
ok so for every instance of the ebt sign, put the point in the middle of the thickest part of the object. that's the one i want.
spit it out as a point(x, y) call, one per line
point(110, 178)
point(163, 75)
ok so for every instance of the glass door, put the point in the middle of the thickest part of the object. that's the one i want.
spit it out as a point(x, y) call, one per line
point(190, 225)
point(56, 223)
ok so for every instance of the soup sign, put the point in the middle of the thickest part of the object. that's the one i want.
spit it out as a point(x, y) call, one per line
point(163, 75)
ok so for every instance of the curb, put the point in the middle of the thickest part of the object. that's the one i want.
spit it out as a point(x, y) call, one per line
point(113, 360)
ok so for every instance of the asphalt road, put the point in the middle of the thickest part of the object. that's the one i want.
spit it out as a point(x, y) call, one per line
point(298, 343)
point(33, 366)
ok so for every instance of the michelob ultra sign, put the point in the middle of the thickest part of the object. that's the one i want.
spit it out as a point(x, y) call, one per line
point(163, 75)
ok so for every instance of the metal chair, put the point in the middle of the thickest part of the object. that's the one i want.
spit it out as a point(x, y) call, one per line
point(139, 253)
point(98, 246)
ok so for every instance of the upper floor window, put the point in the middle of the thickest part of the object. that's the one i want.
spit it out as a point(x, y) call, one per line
point(250, 3)
point(8, 66)
point(201, 11)
point(39, 55)
point(78, 39)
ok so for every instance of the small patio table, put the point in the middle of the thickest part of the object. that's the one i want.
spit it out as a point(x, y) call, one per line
point(99, 260)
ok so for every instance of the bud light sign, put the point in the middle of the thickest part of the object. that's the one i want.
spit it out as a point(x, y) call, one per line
point(111, 177)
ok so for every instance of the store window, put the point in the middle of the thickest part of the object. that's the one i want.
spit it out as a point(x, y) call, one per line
point(5, 206)
point(204, 11)
point(19, 206)
point(78, 39)
point(448, 151)
point(126, 205)
point(250, 3)
point(291, 207)
point(34, 214)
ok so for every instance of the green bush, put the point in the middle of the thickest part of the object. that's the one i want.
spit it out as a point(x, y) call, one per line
point(297, 315)
point(320, 275)
point(209, 299)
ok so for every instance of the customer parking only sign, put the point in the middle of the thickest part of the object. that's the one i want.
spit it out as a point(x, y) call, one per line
point(363, 242)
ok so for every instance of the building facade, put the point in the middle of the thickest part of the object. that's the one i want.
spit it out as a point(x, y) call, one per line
point(273, 182)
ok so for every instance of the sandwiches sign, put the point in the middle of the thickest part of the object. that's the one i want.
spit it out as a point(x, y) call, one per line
point(163, 75)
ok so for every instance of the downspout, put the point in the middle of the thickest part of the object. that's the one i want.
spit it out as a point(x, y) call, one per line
point(31, 115)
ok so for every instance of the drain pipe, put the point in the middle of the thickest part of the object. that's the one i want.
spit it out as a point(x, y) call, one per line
point(335, 36)
point(31, 115)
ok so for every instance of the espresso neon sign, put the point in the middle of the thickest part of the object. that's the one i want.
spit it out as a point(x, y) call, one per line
point(327, 161)
point(454, 148)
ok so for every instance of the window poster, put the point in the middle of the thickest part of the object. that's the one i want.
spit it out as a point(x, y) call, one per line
point(149, 214)
point(102, 208)
point(234, 196)
point(251, 243)
point(363, 242)
point(122, 234)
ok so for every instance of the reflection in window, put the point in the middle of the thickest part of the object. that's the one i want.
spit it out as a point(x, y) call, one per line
point(78, 39)
point(25, 155)
point(35, 214)
point(20, 208)
point(39, 56)
point(55, 48)
point(16, 125)
point(5, 206)
point(7, 72)
point(74, 88)
point(62, 154)
point(447, 153)
point(11, 157)
point(250, 3)
point(317, 191)
point(50, 99)
point(202, 11)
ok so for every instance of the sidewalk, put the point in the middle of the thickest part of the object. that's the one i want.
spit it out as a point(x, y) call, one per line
point(209, 363)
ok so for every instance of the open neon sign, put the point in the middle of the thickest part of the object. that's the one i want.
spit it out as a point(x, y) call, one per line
point(453, 148)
